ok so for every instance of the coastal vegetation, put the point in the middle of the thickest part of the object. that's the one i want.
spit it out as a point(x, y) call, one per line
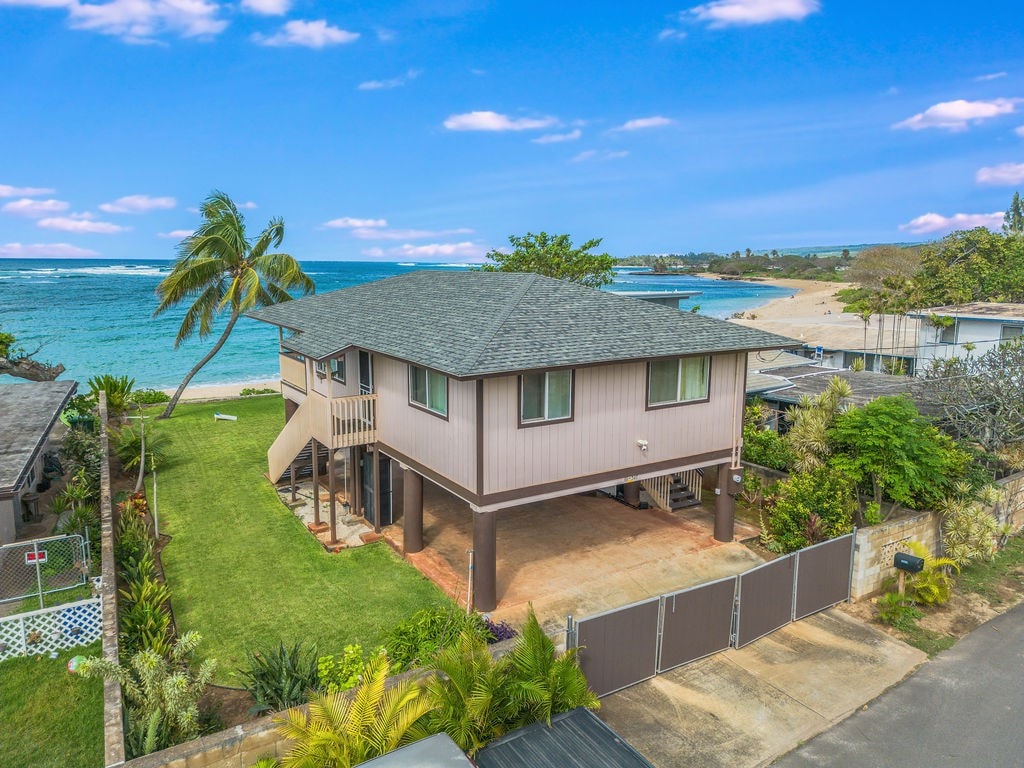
point(554, 256)
point(219, 268)
point(242, 569)
point(15, 361)
point(764, 264)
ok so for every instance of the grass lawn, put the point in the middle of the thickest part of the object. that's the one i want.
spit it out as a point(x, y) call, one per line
point(242, 569)
point(50, 717)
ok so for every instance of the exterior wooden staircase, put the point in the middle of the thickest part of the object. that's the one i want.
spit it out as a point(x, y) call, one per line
point(675, 491)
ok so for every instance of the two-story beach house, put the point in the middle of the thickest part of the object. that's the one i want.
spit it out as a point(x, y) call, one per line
point(973, 328)
point(505, 389)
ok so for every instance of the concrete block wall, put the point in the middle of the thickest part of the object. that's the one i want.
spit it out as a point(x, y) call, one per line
point(875, 547)
point(237, 747)
point(1009, 508)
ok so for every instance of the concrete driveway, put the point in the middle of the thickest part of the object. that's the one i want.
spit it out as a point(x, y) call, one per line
point(577, 555)
point(743, 708)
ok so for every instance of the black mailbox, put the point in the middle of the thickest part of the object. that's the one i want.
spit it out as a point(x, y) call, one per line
point(908, 563)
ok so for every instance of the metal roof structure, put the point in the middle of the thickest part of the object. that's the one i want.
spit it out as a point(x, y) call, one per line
point(471, 324)
point(576, 739)
point(28, 412)
point(437, 751)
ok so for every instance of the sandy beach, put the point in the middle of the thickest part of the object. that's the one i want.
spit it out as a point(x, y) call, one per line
point(223, 391)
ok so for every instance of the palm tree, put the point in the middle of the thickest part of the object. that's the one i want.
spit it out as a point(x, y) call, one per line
point(220, 268)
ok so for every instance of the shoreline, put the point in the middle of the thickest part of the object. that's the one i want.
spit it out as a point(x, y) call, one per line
point(201, 392)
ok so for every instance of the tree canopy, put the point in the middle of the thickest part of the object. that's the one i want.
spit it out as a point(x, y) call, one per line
point(219, 268)
point(15, 361)
point(554, 256)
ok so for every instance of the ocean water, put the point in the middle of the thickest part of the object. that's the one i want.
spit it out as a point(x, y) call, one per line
point(96, 316)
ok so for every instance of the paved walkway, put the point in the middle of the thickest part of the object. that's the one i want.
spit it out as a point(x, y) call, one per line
point(742, 708)
point(962, 709)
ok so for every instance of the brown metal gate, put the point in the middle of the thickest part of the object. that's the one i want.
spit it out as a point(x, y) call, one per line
point(696, 622)
point(765, 596)
point(619, 648)
point(823, 575)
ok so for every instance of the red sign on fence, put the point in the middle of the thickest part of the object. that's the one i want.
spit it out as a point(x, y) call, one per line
point(35, 558)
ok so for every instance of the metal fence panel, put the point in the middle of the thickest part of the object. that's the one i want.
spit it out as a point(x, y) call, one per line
point(823, 576)
point(765, 599)
point(38, 567)
point(696, 622)
point(620, 648)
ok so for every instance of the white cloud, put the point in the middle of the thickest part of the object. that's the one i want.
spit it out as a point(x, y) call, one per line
point(1005, 174)
point(958, 115)
point(375, 233)
point(1019, 130)
point(394, 82)
point(138, 204)
point(141, 21)
point(248, 205)
point(495, 121)
point(934, 222)
point(34, 209)
point(726, 13)
point(44, 251)
point(310, 34)
point(990, 76)
point(555, 138)
point(671, 34)
point(267, 7)
point(176, 234)
point(593, 154)
point(463, 251)
point(6, 190)
point(384, 35)
point(347, 222)
point(81, 224)
point(640, 123)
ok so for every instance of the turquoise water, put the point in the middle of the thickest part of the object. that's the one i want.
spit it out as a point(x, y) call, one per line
point(96, 316)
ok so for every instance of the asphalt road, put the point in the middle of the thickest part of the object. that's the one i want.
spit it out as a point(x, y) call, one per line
point(961, 709)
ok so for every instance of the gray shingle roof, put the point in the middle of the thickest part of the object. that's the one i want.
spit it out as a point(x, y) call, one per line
point(27, 414)
point(469, 324)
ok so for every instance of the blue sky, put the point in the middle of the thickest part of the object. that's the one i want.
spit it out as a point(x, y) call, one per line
point(422, 130)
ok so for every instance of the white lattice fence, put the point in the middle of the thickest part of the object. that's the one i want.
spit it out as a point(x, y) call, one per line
point(51, 629)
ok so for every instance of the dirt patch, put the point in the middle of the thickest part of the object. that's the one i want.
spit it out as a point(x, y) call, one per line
point(227, 707)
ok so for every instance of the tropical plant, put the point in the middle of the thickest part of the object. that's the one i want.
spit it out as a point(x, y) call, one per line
point(81, 450)
point(148, 396)
point(280, 677)
point(932, 585)
point(162, 693)
point(554, 256)
point(130, 444)
point(824, 493)
point(761, 443)
point(419, 637)
point(342, 730)
point(810, 421)
point(220, 269)
point(145, 620)
point(118, 389)
point(897, 611)
point(339, 673)
point(969, 532)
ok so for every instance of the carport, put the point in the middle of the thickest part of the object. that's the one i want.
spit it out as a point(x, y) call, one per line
point(578, 554)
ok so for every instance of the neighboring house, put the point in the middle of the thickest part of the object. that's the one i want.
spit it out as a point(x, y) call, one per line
point(28, 413)
point(506, 389)
point(973, 328)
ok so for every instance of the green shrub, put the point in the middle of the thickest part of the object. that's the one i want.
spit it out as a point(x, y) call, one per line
point(133, 540)
point(145, 619)
point(249, 391)
point(761, 443)
point(81, 451)
point(118, 389)
point(788, 510)
point(339, 673)
point(969, 532)
point(149, 396)
point(933, 585)
point(897, 611)
point(278, 678)
point(416, 640)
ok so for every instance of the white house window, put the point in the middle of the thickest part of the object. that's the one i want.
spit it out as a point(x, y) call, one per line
point(428, 389)
point(1010, 333)
point(321, 369)
point(337, 366)
point(545, 396)
point(682, 380)
point(947, 335)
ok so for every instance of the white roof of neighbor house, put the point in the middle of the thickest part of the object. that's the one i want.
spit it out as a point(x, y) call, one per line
point(976, 310)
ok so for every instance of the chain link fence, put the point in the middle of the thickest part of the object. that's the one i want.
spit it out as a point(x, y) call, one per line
point(43, 566)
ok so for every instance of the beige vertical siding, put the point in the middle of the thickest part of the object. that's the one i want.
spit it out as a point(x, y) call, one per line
point(447, 447)
point(610, 417)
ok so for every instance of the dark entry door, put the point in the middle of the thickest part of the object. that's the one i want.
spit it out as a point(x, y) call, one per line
point(365, 373)
point(369, 498)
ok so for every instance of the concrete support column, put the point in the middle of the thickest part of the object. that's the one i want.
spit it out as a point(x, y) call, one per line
point(331, 470)
point(631, 493)
point(316, 481)
point(412, 512)
point(376, 490)
point(725, 506)
point(485, 561)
